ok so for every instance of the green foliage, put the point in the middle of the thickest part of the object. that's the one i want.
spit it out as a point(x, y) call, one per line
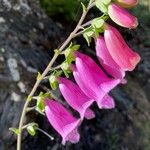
point(69, 53)
point(31, 128)
point(94, 29)
point(102, 5)
point(69, 58)
point(39, 76)
point(14, 130)
point(88, 33)
point(40, 105)
point(53, 79)
point(66, 8)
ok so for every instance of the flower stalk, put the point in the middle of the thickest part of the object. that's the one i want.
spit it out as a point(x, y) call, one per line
point(93, 83)
point(70, 37)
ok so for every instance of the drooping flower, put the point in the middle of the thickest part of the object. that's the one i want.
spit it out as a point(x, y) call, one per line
point(62, 121)
point(121, 16)
point(124, 56)
point(107, 61)
point(126, 3)
point(76, 98)
point(93, 81)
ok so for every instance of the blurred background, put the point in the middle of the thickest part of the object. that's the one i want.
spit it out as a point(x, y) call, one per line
point(29, 32)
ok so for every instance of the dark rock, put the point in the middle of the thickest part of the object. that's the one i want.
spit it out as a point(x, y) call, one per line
point(26, 44)
point(27, 40)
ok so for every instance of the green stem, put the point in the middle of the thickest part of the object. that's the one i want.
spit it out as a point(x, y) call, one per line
point(45, 73)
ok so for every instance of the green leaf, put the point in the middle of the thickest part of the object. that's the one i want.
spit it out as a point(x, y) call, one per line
point(83, 7)
point(39, 76)
point(14, 130)
point(31, 128)
point(101, 6)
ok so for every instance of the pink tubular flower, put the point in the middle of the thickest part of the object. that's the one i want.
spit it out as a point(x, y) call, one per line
point(93, 81)
point(121, 16)
point(126, 3)
point(76, 98)
point(106, 60)
point(62, 121)
point(119, 50)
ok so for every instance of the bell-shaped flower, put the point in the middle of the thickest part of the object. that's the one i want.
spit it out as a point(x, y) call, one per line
point(126, 3)
point(107, 61)
point(121, 16)
point(62, 121)
point(92, 80)
point(124, 56)
point(76, 98)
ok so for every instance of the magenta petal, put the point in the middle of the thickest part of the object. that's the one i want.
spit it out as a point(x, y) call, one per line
point(90, 79)
point(74, 96)
point(93, 83)
point(106, 60)
point(62, 121)
point(73, 136)
point(121, 16)
point(109, 85)
point(85, 82)
point(90, 63)
point(125, 57)
point(106, 103)
point(86, 111)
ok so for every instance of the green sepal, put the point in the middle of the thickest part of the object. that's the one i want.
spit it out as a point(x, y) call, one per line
point(97, 22)
point(84, 7)
point(53, 79)
point(14, 130)
point(40, 104)
point(102, 5)
point(29, 98)
point(31, 128)
point(39, 76)
point(57, 51)
point(106, 2)
point(66, 68)
point(87, 34)
point(69, 56)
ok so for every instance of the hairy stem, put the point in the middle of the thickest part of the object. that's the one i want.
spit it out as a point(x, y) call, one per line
point(46, 71)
